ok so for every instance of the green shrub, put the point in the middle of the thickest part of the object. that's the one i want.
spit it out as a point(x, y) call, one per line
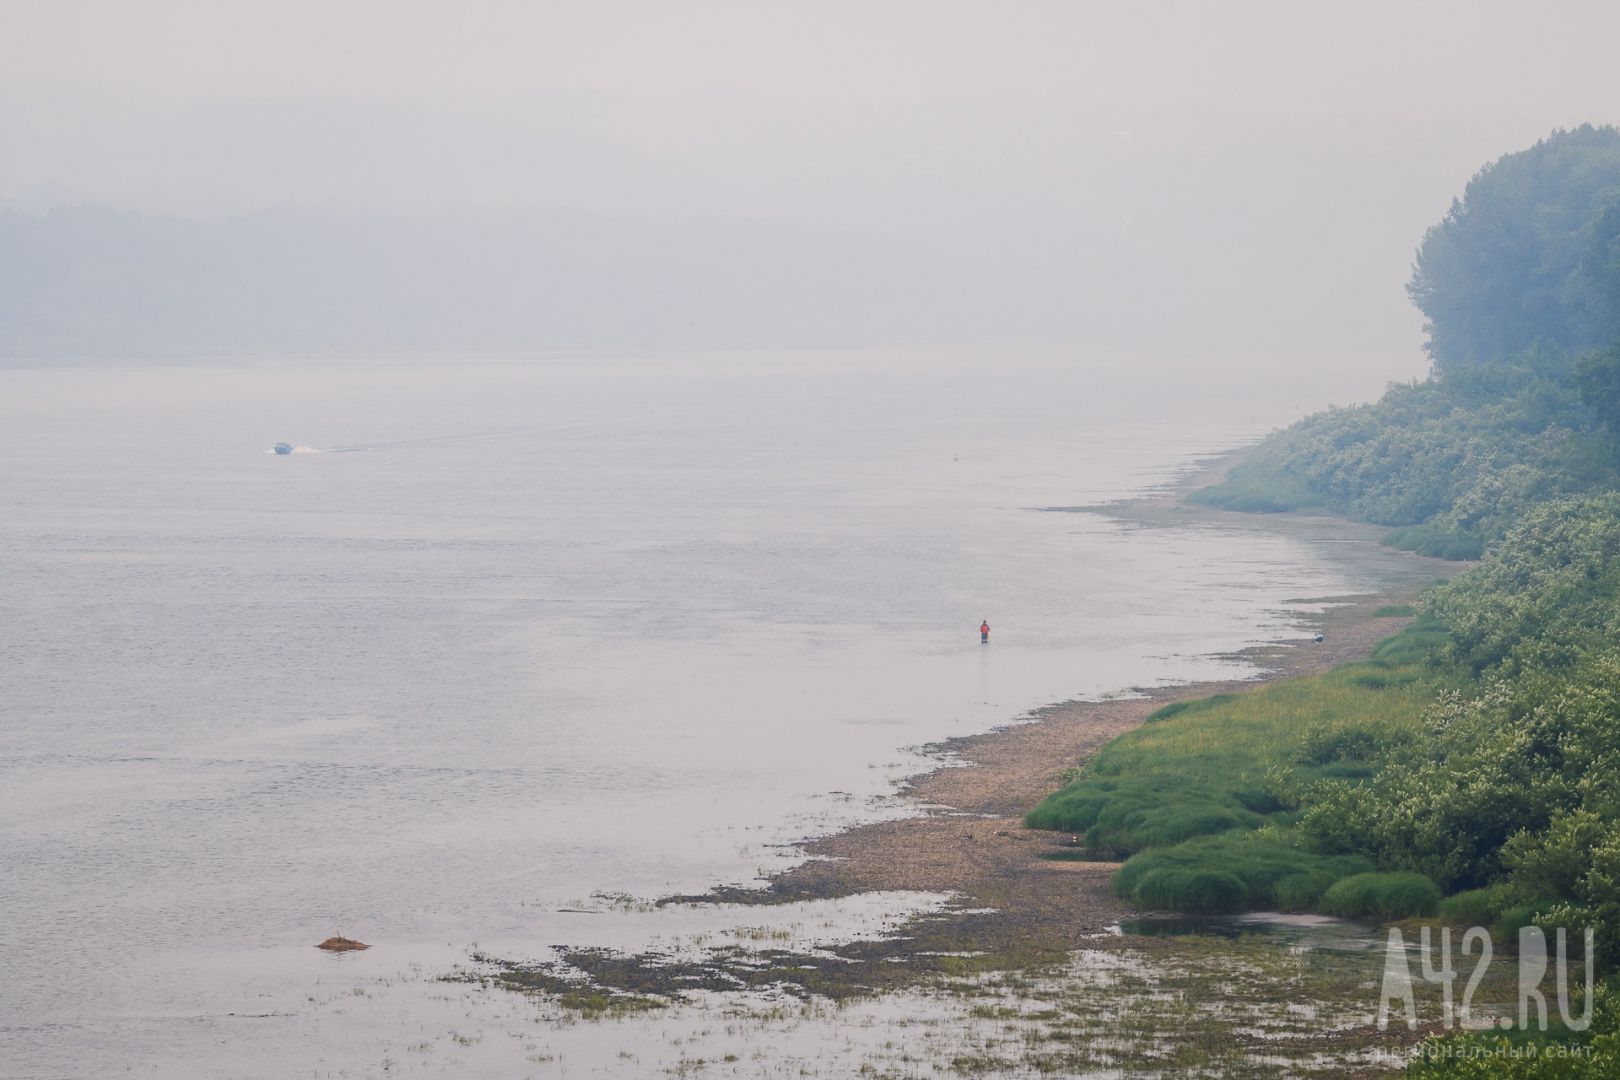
point(1422, 642)
point(1273, 872)
point(1197, 892)
point(1555, 1054)
point(1177, 708)
point(1327, 743)
point(1139, 813)
point(1260, 801)
point(1514, 919)
point(1388, 896)
point(1302, 891)
point(1371, 680)
point(1476, 907)
point(1254, 489)
point(1437, 542)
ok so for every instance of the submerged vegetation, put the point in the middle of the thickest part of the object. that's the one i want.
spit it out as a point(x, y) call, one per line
point(1470, 770)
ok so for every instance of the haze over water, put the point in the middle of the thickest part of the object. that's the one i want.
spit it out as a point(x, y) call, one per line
point(505, 634)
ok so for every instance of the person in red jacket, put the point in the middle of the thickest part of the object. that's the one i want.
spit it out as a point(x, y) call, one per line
point(984, 633)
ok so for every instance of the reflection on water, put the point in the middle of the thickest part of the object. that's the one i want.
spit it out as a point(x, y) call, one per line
point(1292, 931)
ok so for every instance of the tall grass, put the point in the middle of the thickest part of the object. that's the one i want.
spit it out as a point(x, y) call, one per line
point(1203, 767)
point(1255, 490)
point(1418, 644)
point(1476, 907)
point(1388, 896)
point(1236, 871)
point(1437, 541)
point(1202, 797)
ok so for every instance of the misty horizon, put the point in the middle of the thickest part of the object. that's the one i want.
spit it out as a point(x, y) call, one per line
point(743, 537)
point(625, 177)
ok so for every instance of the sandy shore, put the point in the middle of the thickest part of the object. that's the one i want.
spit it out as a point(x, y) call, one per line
point(1017, 905)
point(1030, 953)
point(970, 838)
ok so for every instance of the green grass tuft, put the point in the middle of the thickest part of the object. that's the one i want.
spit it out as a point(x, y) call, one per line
point(1476, 907)
point(1388, 896)
point(1274, 874)
point(1254, 490)
point(1437, 542)
point(1510, 922)
point(1197, 892)
point(1177, 708)
point(1209, 766)
point(1419, 643)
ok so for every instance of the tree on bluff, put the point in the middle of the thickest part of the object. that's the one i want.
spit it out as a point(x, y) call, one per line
point(1529, 255)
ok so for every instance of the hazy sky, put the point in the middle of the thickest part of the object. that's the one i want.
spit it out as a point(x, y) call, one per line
point(1254, 171)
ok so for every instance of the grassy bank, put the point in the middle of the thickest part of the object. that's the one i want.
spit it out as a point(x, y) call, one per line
point(1468, 771)
point(1205, 797)
point(1472, 767)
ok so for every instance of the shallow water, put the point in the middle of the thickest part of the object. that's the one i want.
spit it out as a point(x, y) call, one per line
point(1293, 931)
point(545, 629)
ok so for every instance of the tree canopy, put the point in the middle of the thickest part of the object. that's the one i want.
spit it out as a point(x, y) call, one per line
point(1529, 255)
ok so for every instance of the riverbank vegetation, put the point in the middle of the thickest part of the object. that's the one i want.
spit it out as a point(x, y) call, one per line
point(1520, 286)
point(1470, 769)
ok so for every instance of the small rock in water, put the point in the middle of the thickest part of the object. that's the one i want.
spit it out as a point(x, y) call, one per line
point(342, 944)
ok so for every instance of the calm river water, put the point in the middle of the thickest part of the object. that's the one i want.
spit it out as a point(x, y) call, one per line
point(505, 638)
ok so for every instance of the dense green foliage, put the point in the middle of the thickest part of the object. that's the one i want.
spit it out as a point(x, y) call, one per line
point(1557, 1054)
point(1206, 796)
point(1454, 461)
point(1238, 870)
point(1471, 770)
point(1529, 254)
point(1478, 753)
point(1521, 286)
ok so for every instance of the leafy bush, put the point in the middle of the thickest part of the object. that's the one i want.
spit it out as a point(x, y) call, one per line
point(1452, 463)
point(1516, 918)
point(1437, 541)
point(1326, 743)
point(1475, 907)
point(1550, 590)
